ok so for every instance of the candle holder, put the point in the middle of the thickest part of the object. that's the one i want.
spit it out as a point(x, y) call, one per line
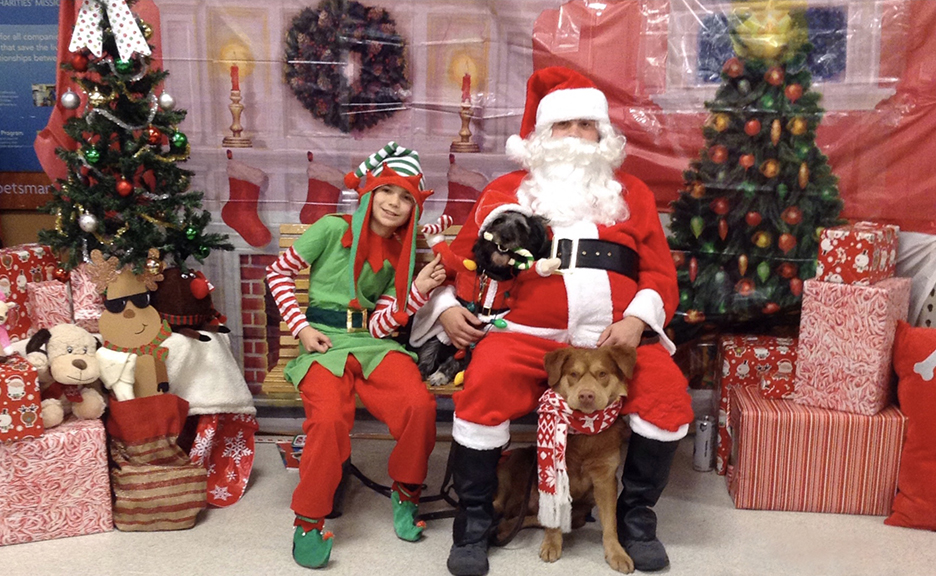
point(236, 141)
point(464, 143)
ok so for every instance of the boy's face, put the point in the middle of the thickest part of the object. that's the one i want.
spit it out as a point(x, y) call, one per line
point(391, 208)
point(584, 129)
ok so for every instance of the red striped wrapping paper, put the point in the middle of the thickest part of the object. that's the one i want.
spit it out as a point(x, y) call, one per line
point(846, 344)
point(48, 304)
point(86, 301)
point(56, 485)
point(804, 459)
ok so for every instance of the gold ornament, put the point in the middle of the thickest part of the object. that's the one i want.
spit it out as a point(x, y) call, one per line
point(803, 176)
point(797, 126)
point(97, 99)
point(775, 131)
point(762, 239)
point(765, 30)
point(770, 168)
point(147, 30)
point(720, 122)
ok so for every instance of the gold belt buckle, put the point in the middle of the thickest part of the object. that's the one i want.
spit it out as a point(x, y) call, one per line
point(363, 327)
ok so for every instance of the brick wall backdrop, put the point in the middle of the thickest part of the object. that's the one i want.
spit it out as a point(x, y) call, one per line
point(261, 330)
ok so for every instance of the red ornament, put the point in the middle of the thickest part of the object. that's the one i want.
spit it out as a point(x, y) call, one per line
point(124, 187)
point(720, 206)
point(796, 286)
point(792, 216)
point(79, 62)
point(786, 242)
point(733, 68)
point(753, 218)
point(752, 127)
point(745, 287)
point(793, 92)
point(153, 135)
point(771, 308)
point(679, 258)
point(718, 153)
point(199, 288)
point(774, 76)
point(786, 270)
point(722, 228)
point(746, 160)
point(693, 269)
point(61, 274)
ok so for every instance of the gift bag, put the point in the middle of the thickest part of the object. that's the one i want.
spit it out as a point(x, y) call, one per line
point(224, 445)
point(156, 486)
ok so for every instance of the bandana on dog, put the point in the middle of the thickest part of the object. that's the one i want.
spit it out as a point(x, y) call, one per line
point(556, 420)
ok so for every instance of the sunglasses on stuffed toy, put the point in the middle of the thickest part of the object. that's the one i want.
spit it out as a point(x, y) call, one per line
point(117, 305)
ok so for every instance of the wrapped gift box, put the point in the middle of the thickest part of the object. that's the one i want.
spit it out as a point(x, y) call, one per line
point(799, 458)
point(20, 265)
point(86, 301)
point(55, 486)
point(777, 385)
point(862, 253)
point(48, 304)
point(845, 344)
point(20, 403)
point(744, 360)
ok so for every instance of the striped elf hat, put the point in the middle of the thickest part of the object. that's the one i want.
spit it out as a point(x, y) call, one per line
point(391, 165)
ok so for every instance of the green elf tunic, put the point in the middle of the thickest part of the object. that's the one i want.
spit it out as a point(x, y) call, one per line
point(326, 246)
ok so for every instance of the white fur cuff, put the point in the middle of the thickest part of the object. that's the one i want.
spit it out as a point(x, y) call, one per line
point(648, 306)
point(479, 436)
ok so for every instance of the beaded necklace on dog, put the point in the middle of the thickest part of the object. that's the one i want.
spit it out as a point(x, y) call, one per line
point(556, 420)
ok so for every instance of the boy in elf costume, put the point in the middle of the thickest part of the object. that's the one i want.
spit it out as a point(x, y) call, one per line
point(361, 289)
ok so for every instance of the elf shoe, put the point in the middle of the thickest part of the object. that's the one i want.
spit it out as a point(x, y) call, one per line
point(311, 546)
point(405, 507)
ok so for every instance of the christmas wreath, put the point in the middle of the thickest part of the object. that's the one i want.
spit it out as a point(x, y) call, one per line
point(340, 35)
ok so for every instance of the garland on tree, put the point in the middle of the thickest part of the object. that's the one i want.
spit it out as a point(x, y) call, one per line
point(320, 46)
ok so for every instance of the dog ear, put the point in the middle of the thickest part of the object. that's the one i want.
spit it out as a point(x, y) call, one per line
point(625, 357)
point(39, 339)
point(554, 362)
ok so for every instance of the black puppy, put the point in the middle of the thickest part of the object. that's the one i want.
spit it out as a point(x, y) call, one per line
point(511, 243)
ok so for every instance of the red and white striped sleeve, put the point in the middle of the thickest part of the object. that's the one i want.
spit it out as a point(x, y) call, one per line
point(281, 278)
point(383, 323)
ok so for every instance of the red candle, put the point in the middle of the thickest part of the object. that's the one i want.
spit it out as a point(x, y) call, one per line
point(466, 87)
point(235, 78)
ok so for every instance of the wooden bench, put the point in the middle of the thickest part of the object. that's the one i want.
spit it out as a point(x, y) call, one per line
point(275, 387)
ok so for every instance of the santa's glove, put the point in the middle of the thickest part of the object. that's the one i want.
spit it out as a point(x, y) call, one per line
point(311, 546)
point(547, 266)
point(433, 231)
point(405, 500)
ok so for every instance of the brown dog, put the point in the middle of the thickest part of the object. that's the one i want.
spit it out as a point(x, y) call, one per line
point(589, 380)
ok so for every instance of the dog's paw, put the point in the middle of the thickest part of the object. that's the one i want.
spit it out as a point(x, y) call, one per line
point(619, 560)
point(438, 379)
point(551, 548)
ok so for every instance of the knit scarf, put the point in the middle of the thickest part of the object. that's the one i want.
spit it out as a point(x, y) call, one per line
point(556, 420)
point(153, 348)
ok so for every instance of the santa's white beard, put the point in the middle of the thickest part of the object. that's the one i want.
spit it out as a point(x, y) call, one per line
point(571, 180)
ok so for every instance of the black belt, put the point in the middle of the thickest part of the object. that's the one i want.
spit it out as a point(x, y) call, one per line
point(352, 320)
point(477, 309)
point(600, 254)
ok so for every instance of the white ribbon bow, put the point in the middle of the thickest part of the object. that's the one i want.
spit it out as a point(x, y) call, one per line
point(90, 34)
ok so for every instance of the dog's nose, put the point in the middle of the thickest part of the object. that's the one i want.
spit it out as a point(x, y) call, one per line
point(80, 364)
point(587, 397)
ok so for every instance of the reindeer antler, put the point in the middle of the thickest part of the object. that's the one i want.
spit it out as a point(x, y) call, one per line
point(153, 274)
point(102, 271)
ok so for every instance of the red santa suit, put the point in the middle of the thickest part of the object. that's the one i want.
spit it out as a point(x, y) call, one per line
point(506, 376)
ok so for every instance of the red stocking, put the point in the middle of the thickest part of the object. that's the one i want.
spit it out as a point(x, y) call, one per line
point(240, 211)
point(325, 184)
point(464, 187)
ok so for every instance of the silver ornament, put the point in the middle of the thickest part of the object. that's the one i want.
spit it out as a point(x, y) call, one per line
point(87, 222)
point(70, 100)
point(166, 101)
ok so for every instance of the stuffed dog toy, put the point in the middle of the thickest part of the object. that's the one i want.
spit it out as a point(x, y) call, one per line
point(511, 244)
point(586, 390)
point(68, 373)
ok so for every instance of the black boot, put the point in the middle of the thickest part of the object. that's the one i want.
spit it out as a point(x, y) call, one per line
point(338, 498)
point(474, 476)
point(646, 472)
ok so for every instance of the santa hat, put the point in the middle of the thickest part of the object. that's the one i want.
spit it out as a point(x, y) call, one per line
point(557, 94)
point(391, 165)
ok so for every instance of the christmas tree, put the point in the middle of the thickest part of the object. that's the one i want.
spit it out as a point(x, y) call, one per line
point(124, 192)
point(745, 228)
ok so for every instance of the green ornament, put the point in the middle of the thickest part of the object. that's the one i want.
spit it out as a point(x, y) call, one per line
point(802, 150)
point(92, 155)
point(749, 189)
point(179, 140)
point(708, 247)
point(722, 307)
point(767, 101)
point(124, 66)
point(763, 271)
point(720, 277)
point(203, 251)
point(828, 194)
point(744, 87)
point(499, 323)
point(684, 299)
point(782, 191)
point(697, 225)
point(191, 233)
point(722, 175)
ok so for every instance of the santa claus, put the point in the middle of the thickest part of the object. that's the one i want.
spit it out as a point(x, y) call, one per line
point(617, 286)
